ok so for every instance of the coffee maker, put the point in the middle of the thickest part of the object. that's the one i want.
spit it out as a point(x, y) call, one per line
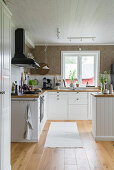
point(47, 83)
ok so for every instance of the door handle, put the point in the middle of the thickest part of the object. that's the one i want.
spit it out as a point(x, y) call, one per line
point(2, 92)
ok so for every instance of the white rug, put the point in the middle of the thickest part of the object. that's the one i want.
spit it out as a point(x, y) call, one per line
point(63, 134)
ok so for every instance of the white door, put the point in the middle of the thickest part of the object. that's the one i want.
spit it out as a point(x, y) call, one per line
point(5, 89)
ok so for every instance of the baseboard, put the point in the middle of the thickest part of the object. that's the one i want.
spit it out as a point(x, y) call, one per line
point(104, 138)
point(23, 140)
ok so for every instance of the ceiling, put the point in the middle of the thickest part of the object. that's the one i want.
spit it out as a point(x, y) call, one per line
point(74, 18)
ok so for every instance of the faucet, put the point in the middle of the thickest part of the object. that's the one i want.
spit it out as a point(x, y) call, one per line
point(64, 83)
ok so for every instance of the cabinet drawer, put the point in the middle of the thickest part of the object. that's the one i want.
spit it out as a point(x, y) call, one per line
point(78, 112)
point(78, 94)
point(56, 93)
point(78, 100)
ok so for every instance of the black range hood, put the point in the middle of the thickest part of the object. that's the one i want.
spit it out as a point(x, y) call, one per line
point(19, 58)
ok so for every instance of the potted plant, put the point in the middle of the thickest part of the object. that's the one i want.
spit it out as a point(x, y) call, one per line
point(32, 83)
point(103, 78)
point(72, 76)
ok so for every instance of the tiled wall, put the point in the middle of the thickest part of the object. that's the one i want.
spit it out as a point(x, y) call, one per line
point(40, 79)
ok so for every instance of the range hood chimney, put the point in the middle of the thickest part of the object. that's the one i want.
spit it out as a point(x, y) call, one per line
point(19, 58)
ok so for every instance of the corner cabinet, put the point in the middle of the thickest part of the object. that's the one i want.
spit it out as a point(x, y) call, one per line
point(5, 76)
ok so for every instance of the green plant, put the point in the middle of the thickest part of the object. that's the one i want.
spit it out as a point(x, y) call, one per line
point(72, 75)
point(77, 82)
point(32, 82)
point(103, 78)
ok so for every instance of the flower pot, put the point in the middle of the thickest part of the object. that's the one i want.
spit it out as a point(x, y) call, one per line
point(77, 85)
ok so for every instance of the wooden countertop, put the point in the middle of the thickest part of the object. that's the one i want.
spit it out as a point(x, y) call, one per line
point(102, 95)
point(28, 95)
point(54, 90)
point(84, 90)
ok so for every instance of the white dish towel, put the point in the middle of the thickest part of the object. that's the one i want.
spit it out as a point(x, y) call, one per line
point(29, 124)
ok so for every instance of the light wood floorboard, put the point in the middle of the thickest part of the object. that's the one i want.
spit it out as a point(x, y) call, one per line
point(93, 156)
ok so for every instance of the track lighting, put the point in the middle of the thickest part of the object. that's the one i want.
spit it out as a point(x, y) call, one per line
point(80, 38)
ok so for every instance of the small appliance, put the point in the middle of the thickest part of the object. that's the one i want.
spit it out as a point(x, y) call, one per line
point(47, 83)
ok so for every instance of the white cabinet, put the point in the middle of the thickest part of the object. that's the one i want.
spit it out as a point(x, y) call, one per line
point(57, 106)
point(68, 106)
point(18, 107)
point(103, 118)
point(78, 105)
point(78, 112)
point(18, 122)
point(5, 71)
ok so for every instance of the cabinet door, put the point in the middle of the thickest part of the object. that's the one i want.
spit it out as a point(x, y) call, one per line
point(78, 98)
point(78, 112)
point(5, 86)
point(18, 121)
point(57, 107)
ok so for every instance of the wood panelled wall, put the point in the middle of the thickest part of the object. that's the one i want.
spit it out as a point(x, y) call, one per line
point(53, 55)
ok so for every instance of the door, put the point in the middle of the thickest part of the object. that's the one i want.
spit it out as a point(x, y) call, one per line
point(5, 90)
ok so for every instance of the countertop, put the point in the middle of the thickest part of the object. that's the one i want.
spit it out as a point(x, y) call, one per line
point(54, 90)
point(102, 95)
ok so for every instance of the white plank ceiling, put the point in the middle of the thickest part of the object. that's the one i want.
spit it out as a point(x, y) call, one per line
point(40, 18)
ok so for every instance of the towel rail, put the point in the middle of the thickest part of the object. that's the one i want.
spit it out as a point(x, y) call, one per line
point(34, 100)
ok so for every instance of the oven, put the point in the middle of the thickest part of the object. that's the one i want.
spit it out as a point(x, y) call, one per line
point(41, 108)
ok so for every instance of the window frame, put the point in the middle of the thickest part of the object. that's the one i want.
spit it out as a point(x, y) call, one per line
point(96, 55)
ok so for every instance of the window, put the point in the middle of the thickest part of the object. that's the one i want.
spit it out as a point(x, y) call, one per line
point(85, 66)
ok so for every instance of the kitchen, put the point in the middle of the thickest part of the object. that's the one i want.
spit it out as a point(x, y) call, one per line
point(62, 100)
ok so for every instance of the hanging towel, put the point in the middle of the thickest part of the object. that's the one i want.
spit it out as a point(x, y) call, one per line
point(28, 125)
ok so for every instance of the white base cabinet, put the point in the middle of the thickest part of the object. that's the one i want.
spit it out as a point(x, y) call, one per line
point(57, 106)
point(67, 106)
point(77, 112)
point(103, 118)
point(18, 122)
point(78, 105)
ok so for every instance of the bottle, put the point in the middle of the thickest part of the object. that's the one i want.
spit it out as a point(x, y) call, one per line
point(111, 89)
point(87, 84)
point(16, 88)
point(13, 87)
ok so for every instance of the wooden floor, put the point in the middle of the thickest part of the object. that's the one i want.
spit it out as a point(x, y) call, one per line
point(93, 155)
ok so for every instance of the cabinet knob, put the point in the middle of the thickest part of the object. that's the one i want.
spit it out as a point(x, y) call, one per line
point(77, 99)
